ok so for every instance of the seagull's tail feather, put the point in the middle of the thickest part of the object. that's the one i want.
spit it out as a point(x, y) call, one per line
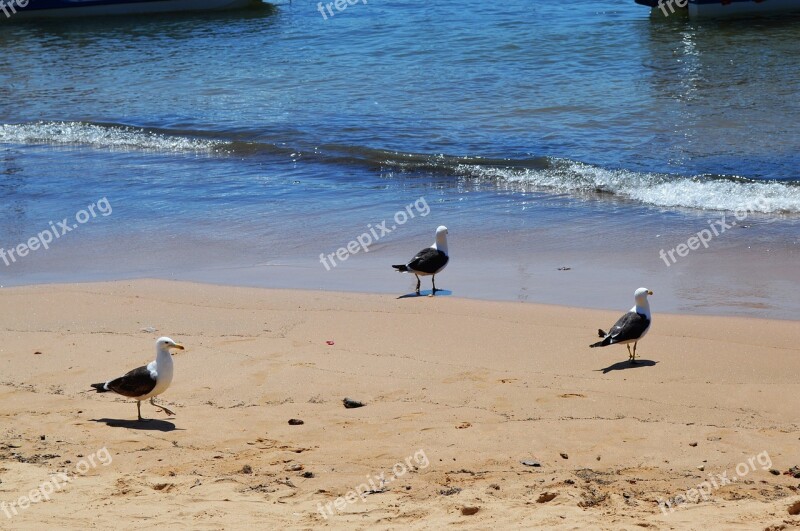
point(101, 387)
point(603, 343)
point(601, 333)
point(401, 268)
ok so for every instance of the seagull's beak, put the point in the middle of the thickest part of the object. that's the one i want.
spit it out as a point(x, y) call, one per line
point(178, 346)
point(649, 292)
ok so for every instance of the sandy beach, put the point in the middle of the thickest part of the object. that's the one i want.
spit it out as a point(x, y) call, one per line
point(458, 395)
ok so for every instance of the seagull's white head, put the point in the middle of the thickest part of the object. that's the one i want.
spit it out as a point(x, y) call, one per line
point(642, 306)
point(641, 295)
point(165, 344)
point(441, 238)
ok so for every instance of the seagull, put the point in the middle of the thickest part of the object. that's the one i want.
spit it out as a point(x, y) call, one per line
point(148, 381)
point(631, 327)
point(430, 260)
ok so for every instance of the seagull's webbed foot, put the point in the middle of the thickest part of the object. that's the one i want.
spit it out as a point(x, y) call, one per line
point(162, 408)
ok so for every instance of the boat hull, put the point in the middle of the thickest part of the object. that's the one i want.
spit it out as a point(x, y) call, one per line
point(88, 8)
point(718, 8)
point(737, 8)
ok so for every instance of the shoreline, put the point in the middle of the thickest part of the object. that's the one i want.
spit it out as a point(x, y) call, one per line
point(391, 295)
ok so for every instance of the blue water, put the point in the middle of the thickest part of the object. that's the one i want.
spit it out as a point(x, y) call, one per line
point(257, 140)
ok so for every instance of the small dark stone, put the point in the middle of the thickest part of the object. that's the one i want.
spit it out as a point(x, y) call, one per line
point(308, 475)
point(570, 481)
point(247, 469)
point(295, 422)
point(693, 444)
point(536, 464)
point(450, 491)
point(546, 497)
point(774, 472)
point(564, 456)
point(351, 404)
point(469, 511)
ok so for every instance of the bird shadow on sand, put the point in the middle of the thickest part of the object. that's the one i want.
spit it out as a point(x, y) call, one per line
point(425, 293)
point(145, 425)
point(624, 365)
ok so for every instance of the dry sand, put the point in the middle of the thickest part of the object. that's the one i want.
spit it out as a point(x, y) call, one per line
point(462, 391)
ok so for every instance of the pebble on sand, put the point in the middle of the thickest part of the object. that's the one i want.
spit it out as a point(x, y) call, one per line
point(546, 497)
point(350, 404)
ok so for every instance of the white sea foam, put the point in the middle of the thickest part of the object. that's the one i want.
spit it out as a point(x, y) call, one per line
point(109, 137)
point(671, 191)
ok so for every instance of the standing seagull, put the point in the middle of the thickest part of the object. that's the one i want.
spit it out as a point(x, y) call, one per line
point(148, 381)
point(631, 327)
point(429, 261)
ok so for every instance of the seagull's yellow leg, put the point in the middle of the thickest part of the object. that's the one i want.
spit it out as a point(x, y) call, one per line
point(162, 408)
point(630, 356)
point(634, 349)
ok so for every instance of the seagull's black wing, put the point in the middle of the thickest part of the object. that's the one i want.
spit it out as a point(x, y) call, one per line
point(629, 327)
point(137, 382)
point(428, 261)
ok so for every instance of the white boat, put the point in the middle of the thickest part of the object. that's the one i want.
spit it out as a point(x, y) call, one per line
point(28, 9)
point(720, 8)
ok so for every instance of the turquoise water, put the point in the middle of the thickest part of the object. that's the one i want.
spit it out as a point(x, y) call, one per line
point(238, 147)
